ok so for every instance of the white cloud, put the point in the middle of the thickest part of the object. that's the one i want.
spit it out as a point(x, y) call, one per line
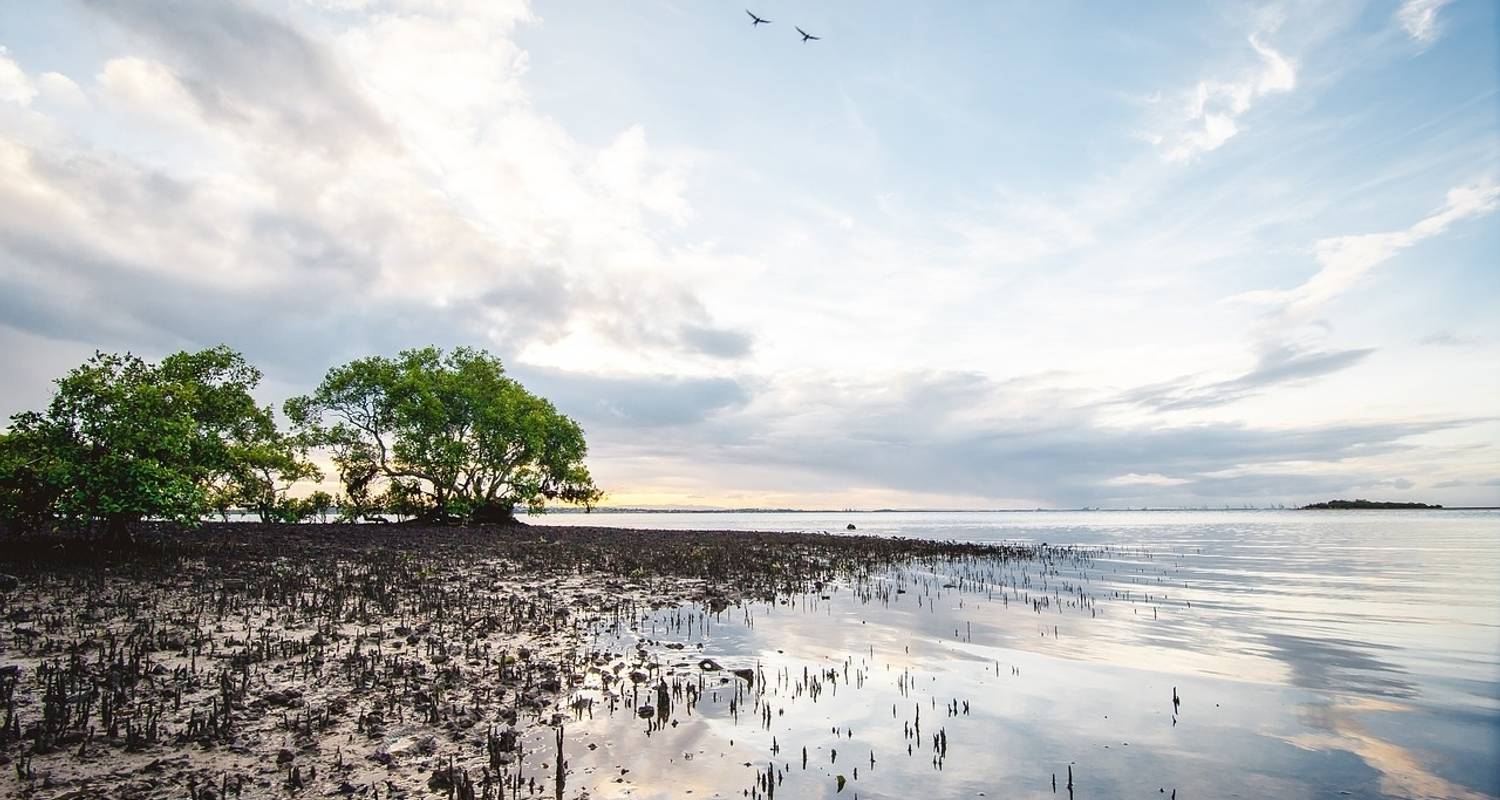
point(15, 87)
point(1420, 19)
point(396, 164)
point(59, 88)
point(147, 88)
point(1136, 479)
point(1213, 106)
point(625, 168)
point(1344, 260)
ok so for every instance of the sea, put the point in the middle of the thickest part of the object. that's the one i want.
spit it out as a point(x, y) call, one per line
point(1186, 654)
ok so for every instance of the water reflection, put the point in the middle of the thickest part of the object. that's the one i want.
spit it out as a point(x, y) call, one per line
point(1403, 772)
point(1339, 665)
point(1313, 656)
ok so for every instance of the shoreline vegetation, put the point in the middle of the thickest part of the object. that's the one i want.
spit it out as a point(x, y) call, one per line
point(1365, 505)
point(442, 437)
point(262, 658)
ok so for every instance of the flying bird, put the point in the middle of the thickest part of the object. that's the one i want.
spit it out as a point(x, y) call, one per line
point(754, 20)
point(806, 36)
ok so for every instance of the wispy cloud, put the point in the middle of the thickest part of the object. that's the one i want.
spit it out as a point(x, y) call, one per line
point(1278, 364)
point(1023, 440)
point(1420, 19)
point(1344, 260)
point(1213, 107)
point(1449, 339)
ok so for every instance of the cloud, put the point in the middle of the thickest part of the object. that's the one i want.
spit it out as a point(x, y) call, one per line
point(246, 67)
point(327, 197)
point(1136, 479)
point(147, 88)
point(1344, 260)
point(59, 88)
point(1278, 364)
point(635, 402)
point(1420, 19)
point(1021, 441)
point(15, 86)
point(718, 342)
point(1449, 339)
point(314, 181)
point(1213, 107)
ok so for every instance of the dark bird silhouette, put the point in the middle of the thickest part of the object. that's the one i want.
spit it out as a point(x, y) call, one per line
point(754, 20)
point(806, 36)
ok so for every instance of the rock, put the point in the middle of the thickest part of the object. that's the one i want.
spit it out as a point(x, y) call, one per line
point(285, 756)
point(849, 527)
point(747, 674)
point(709, 665)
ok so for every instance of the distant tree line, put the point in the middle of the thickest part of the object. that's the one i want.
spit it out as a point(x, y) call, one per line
point(438, 437)
point(1345, 505)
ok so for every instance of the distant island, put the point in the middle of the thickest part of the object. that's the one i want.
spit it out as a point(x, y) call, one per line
point(1362, 504)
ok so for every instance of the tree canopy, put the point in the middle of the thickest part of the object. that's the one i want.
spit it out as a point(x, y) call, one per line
point(445, 436)
point(123, 440)
point(440, 437)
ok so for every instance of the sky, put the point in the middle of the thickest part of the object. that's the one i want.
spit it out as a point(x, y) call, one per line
point(950, 255)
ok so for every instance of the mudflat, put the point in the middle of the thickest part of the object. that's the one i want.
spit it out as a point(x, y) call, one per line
point(386, 660)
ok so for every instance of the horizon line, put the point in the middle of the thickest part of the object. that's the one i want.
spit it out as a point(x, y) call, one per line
point(1035, 510)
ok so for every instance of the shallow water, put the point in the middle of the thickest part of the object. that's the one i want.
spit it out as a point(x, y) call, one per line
point(1315, 654)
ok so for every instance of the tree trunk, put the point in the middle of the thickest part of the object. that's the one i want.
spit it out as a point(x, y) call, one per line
point(494, 514)
point(117, 530)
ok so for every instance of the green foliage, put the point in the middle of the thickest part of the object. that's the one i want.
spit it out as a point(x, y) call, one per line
point(318, 504)
point(123, 440)
point(25, 497)
point(446, 436)
point(426, 435)
point(266, 465)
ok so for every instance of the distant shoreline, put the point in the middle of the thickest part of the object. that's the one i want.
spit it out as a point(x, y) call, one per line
point(1369, 505)
point(1314, 507)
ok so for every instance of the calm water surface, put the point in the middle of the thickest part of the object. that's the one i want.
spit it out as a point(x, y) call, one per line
point(1314, 654)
